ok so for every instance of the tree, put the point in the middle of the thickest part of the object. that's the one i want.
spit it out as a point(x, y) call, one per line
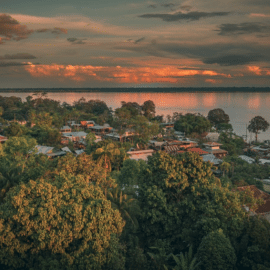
point(149, 109)
point(130, 173)
point(19, 163)
point(84, 165)
point(218, 116)
point(257, 124)
point(181, 201)
point(106, 154)
point(216, 252)
point(185, 261)
point(254, 245)
point(190, 123)
point(225, 167)
point(60, 223)
point(125, 205)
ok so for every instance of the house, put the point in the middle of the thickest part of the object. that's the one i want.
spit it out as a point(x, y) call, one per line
point(49, 151)
point(140, 154)
point(177, 147)
point(87, 124)
point(197, 150)
point(3, 139)
point(213, 148)
point(101, 130)
point(74, 136)
point(249, 160)
point(211, 158)
point(127, 136)
point(264, 209)
point(263, 161)
point(65, 129)
point(167, 126)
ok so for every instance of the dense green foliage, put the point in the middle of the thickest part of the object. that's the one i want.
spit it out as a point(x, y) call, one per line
point(190, 123)
point(102, 210)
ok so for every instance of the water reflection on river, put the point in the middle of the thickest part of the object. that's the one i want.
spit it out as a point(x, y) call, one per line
point(241, 107)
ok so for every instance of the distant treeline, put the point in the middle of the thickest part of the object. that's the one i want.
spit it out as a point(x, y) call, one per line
point(141, 90)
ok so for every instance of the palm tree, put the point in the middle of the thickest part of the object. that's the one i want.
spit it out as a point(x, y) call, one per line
point(185, 262)
point(106, 155)
point(126, 206)
point(225, 166)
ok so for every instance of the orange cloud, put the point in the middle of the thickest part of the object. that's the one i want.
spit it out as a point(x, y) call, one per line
point(168, 74)
point(259, 71)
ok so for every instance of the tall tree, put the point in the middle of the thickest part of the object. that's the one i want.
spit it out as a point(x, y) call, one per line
point(216, 252)
point(61, 223)
point(257, 124)
point(149, 109)
point(218, 116)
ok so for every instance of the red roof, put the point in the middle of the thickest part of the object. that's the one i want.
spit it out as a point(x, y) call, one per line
point(259, 194)
point(197, 150)
point(256, 192)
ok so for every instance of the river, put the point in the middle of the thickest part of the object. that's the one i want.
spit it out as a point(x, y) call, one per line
point(241, 107)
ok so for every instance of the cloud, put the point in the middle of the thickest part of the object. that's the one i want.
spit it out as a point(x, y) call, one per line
point(139, 40)
point(152, 6)
point(80, 73)
point(179, 16)
point(186, 7)
point(77, 40)
point(233, 59)
point(17, 56)
point(168, 5)
point(12, 29)
point(259, 71)
point(243, 28)
point(13, 64)
point(55, 30)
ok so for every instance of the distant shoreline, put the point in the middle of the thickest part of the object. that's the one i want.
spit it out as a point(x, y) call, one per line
point(138, 90)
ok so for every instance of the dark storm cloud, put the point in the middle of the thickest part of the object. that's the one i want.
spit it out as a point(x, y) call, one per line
point(12, 29)
point(17, 56)
point(76, 40)
point(243, 28)
point(179, 16)
point(55, 30)
point(152, 6)
point(12, 64)
point(139, 40)
point(233, 59)
point(168, 5)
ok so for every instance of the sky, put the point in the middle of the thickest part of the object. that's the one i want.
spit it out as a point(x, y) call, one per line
point(156, 43)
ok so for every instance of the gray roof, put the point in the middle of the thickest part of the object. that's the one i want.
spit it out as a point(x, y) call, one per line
point(75, 134)
point(78, 152)
point(247, 159)
point(66, 149)
point(43, 149)
point(65, 127)
point(212, 159)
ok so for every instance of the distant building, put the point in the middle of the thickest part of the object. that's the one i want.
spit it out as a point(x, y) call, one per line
point(49, 151)
point(74, 136)
point(213, 148)
point(87, 124)
point(211, 158)
point(197, 150)
point(65, 129)
point(140, 154)
point(248, 159)
point(101, 130)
